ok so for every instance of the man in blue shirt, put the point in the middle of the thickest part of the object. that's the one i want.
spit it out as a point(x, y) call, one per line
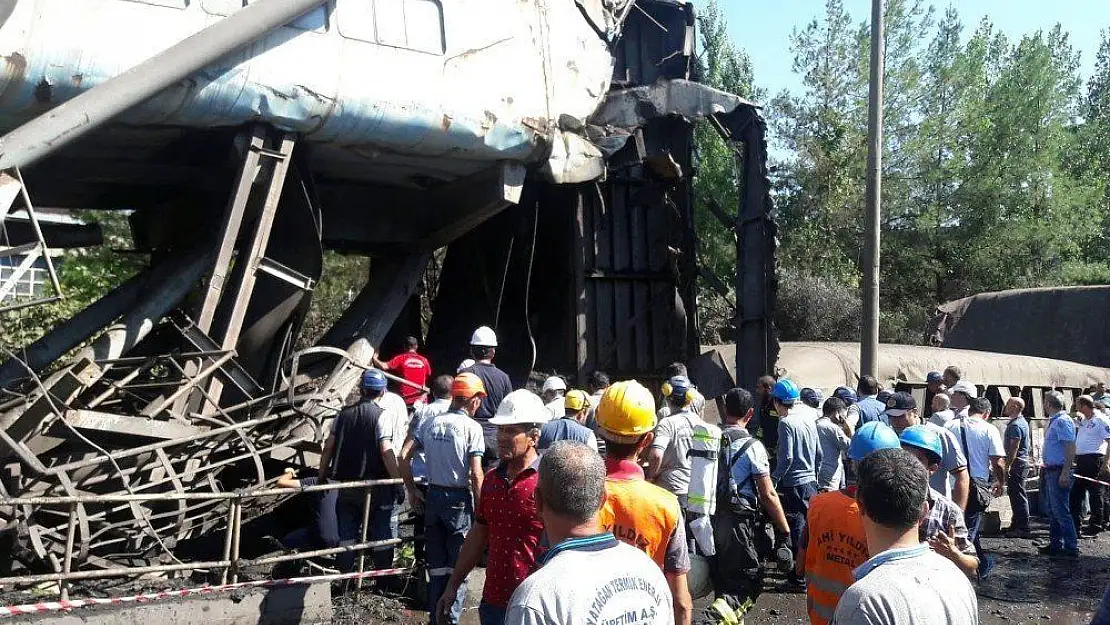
point(1016, 442)
point(1058, 456)
point(570, 426)
point(870, 408)
point(799, 459)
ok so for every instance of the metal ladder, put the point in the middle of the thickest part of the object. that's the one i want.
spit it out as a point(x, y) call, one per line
point(264, 145)
point(12, 188)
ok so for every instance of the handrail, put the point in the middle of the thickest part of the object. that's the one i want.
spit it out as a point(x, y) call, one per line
point(230, 562)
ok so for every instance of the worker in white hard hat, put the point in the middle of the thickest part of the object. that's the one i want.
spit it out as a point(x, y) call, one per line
point(506, 522)
point(483, 348)
point(554, 390)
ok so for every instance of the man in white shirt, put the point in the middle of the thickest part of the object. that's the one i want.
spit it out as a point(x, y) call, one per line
point(554, 391)
point(396, 412)
point(962, 393)
point(986, 461)
point(942, 414)
point(588, 576)
point(1091, 461)
point(904, 581)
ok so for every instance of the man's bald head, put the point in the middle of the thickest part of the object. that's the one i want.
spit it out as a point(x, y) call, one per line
point(1014, 407)
point(572, 481)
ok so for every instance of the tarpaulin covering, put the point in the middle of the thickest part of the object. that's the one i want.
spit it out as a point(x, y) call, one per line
point(828, 365)
point(1067, 323)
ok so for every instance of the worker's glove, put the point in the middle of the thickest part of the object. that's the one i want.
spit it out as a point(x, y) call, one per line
point(784, 555)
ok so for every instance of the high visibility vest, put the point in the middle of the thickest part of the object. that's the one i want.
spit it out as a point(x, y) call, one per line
point(642, 515)
point(835, 546)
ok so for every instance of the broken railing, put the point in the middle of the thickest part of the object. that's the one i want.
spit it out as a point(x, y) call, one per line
point(149, 454)
point(229, 565)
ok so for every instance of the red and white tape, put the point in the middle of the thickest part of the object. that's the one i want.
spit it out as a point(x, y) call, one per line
point(55, 606)
point(1091, 479)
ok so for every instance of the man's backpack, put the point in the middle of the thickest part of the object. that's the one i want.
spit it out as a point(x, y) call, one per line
point(739, 530)
point(727, 491)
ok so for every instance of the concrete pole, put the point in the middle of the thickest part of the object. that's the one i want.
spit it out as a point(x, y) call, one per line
point(869, 339)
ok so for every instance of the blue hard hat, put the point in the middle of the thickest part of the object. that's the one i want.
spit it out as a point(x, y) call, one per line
point(846, 394)
point(872, 437)
point(373, 380)
point(933, 377)
point(923, 438)
point(785, 390)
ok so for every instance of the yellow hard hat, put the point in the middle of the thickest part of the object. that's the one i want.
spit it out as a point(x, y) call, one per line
point(626, 412)
point(576, 400)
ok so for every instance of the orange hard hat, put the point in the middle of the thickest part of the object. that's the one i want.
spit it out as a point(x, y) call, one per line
point(467, 385)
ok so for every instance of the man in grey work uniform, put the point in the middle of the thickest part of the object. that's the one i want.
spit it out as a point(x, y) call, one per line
point(669, 454)
point(454, 446)
point(799, 459)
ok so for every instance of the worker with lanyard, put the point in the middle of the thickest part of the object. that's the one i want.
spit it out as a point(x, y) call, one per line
point(360, 447)
point(454, 445)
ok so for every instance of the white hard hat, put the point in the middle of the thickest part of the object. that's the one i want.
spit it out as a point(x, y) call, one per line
point(484, 337)
point(519, 407)
point(466, 364)
point(554, 383)
point(965, 387)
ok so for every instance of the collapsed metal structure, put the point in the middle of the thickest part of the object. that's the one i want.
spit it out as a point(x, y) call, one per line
point(185, 378)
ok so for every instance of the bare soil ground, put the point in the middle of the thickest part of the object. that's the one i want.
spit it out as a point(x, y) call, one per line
point(1025, 587)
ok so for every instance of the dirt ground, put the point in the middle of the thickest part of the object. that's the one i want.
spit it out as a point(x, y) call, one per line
point(1025, 587)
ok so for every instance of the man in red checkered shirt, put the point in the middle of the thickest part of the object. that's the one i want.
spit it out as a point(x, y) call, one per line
point(506, 520)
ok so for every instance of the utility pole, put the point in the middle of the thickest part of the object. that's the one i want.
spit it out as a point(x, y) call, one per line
point(869, 339)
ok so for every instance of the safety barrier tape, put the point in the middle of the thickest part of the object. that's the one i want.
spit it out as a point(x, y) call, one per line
point(55, 606)
point(1091, 479)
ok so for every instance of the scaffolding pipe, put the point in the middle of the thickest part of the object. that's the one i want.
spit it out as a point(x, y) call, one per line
point(270, 492)
point(88, 111)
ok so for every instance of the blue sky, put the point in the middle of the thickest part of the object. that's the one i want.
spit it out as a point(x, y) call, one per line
point(763, 28)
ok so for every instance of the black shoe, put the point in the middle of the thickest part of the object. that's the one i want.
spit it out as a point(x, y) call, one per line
point(1065, 554)
point(1091, 530)
point(1014, 532)
point(1048, 550)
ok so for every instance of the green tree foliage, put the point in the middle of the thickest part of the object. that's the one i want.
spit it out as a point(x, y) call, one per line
point(85, 275)
point(722, 65)
point(996, 167)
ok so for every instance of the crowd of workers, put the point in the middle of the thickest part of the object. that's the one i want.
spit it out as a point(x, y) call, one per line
point(592, 506)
